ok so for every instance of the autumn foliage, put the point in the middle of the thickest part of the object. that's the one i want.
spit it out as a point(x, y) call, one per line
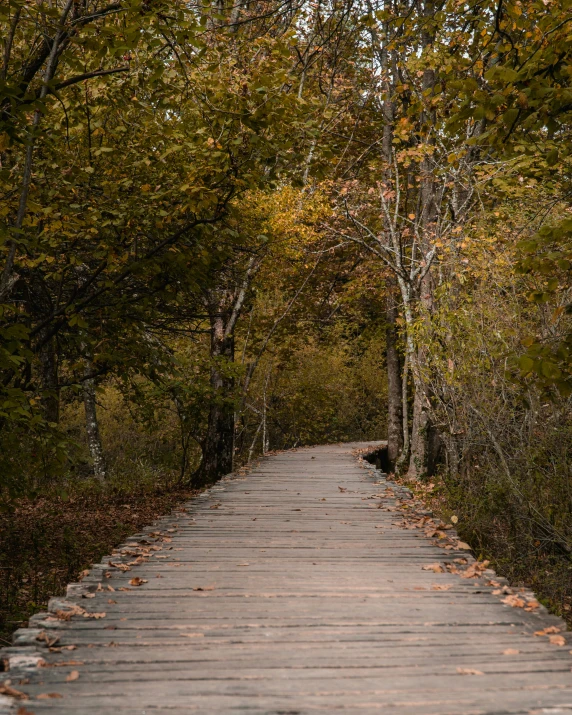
point(233, 228)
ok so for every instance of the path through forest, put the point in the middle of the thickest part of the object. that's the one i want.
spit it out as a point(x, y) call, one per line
point(297, 588)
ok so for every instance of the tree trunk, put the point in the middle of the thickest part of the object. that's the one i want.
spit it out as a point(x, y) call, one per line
point(420, 428)
point(51, 395)
point(394, 387)
point(218, 445)
point(92, 425)
point(419, 435)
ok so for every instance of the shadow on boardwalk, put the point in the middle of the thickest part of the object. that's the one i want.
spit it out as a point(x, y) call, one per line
point(294, 590)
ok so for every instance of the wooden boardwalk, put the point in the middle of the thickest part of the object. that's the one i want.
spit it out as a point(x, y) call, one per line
point(290, 590)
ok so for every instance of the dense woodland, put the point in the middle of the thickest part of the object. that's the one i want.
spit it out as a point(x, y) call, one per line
point(239, 226)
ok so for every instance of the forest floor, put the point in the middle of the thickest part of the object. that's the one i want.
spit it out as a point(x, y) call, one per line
point(522, 561)
point(45, 543)
point(312, 584)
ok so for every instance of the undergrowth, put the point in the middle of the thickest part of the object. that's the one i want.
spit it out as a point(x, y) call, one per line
point(46, 542)
point(518, 555)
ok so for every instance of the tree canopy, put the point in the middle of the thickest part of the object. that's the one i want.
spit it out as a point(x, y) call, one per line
point(233, 227)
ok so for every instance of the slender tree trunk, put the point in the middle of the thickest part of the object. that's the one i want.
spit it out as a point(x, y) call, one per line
point(51, 396)
point(419, 435)
point(92, 425)
point(394, 388)
point(420, 427)
point(405, 411)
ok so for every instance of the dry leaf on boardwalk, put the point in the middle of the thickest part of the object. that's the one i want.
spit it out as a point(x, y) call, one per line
point(62, 663)
point(74, 675)
point(469, 671)
point(48, 696)
point(511, 651)
point(136, 581)
point(514, 601)
point(94, 615)
point(462, 545)
point(475, 570)
point(547, 631)
point(436, 568)
point(557, 640)
point(5, 689)
point(75, 610)
point(441, 586)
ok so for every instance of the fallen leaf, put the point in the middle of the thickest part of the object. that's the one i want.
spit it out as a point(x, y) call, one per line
point(75, 610)
point(546, 631)
point(74, 675)
point(94, 615)
point(136, 581)
point(532, 605)
point(110, 600)
point(469, 671)
point(441, 587)
point(557, 640)
point(436, 568)
point(24, 711)
point(462, 545)
point(511, 651)
point(475, 569)
point(47, 696)
point(514, 601)
point(5, 689)
point(50, 641)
